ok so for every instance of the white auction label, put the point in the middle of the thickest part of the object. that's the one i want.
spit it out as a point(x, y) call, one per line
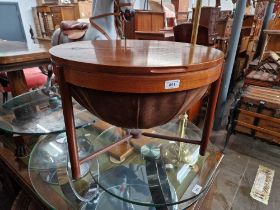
point(262, 185)
point(172, 84)
point(196, 189)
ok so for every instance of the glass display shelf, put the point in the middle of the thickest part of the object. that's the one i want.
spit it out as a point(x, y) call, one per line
point(154, 174)
point(39, 112)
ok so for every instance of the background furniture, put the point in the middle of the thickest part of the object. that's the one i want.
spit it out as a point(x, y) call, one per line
point(14, 57)
point(181, 8)
point(49, 17)
point(208, 18)
point(62, 12)
point(183, 33)
point(265, 73)
point(224, 27)
point(144, 21)
point(161, 35)
point(256, 112)
point(161, 15)
point(248, 40)
point(271, 43)
point(149, 21)
point(33, 76)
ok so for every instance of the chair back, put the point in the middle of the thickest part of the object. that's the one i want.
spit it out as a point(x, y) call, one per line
point(183, 33)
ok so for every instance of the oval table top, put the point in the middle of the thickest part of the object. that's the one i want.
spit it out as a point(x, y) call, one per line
point(138, 66)
point(139, 55)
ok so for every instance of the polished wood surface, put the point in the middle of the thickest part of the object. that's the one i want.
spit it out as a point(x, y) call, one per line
point(210, 114)
point(110, 78)
point(121, 56)
point(14, 56)
point(137, 66)
point(149, 21)
point(68, 119)
point(150, 35)
point(15, 52)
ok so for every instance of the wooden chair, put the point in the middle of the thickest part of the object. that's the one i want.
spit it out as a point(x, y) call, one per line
point(183, 33)
point(34, 79)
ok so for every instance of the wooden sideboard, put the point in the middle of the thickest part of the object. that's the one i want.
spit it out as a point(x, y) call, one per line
point(149, 21)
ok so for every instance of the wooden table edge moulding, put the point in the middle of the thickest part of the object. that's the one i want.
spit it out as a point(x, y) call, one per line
point(135, 84)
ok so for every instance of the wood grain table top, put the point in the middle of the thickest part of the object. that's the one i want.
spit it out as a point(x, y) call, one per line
point(137, 56)
point(16, 52)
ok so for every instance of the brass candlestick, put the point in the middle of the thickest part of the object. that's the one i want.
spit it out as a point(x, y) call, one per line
point(181, 153)
point(182, 128)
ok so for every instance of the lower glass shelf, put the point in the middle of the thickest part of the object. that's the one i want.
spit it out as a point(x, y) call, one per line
point(37, 112)
point(143, 173)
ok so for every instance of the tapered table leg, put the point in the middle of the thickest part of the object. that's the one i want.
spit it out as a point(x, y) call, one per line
point(208, 123)
point(67, 106)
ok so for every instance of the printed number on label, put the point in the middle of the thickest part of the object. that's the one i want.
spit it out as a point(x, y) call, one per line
point(196, 189)
point(172, 84)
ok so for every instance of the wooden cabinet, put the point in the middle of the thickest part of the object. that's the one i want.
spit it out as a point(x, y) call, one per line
point(149, 21)
point(224, 27)
point(60, 13)
point(181, 9)
point(144, 21)
point(43, 19)
point(83, 9)
point(208, 18)
point(49, 17)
